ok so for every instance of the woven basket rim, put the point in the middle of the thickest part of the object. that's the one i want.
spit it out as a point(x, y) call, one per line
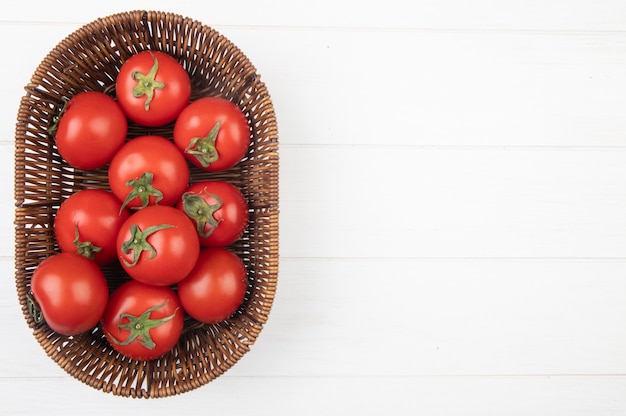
point(87, 59)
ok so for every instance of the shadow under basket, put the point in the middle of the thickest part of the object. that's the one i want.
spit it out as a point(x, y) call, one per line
point(89, 60)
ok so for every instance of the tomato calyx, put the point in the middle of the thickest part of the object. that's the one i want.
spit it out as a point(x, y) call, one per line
point(84, 248)
point(140, 326)
point(146, 83)
point(142, 189)
point(203, 148)
point(202, 212)
point(60, 109)
point(34, 309)
point(138, 242)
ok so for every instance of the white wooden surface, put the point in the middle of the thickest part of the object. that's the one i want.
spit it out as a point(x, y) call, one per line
point(453, 209)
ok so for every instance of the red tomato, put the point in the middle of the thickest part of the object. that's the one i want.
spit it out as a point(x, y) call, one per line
point(148, 170)
point(87, 223)
point(213, 133)
point(158, 245)
point(91, 128)
point(219, 211)
point(216, 287)
point(152, 88)
point(143, 322)
point(71, 292)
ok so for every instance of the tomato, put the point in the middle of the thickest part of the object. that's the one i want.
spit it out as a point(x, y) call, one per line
point(71, 292)
point(90, 130)
point(158, 245)
point(213, 133)
point(148, 170)
point(152, 88)
point(141, 321)
point(87, 223)
point(216, 287)
point(219, 211)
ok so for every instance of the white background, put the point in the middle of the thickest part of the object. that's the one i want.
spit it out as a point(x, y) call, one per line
point(453, 209)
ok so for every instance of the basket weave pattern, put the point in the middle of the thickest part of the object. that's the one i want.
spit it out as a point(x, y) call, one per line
point(89, 59)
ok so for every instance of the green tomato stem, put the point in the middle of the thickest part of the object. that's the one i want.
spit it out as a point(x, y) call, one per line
point(140, 326)
point(142, 189)
point(201, 212)
point(33, 309)
point(147, 84)
point(203, 148)
point(138, 242)
point(54, 126)
point(84, 248)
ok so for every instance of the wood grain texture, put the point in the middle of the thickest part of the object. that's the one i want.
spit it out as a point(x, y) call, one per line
point(438, 396)
point(453, 189)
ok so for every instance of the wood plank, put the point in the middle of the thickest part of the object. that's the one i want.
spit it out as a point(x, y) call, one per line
point(436, 396)
point(421, 202)
point(388, 317)
point(446, 14)
point(415, 88)
point(440, 202)
point(7, 204)
point(406, 318)
point(443, 89)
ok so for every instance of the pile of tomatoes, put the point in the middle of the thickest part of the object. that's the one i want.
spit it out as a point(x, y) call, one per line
point(170, 235)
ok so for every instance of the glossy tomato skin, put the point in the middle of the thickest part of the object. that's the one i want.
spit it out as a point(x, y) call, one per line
point(216, 287)
point(154, 155)
point(218, 209)
point(158, 245)
point(193, 128)
point(91, 129)
point(87, 223)
point(71, 292)
point(154, 311)
point(169, 95)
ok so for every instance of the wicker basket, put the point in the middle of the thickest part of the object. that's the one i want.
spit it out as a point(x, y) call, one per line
point(89, 59)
